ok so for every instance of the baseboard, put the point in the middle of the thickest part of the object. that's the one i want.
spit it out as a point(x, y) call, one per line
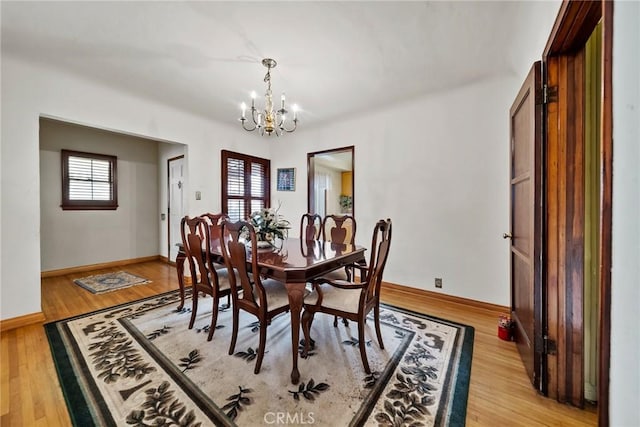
point(444, 297)
point(20, 321)
point(83, 268)
point(166, 260)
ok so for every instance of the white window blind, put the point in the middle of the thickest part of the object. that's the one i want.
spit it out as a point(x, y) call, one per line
point(89, 181)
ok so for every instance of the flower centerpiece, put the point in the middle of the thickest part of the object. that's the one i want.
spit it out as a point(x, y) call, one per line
point(269, 226)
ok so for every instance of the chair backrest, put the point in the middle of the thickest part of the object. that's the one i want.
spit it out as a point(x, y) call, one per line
point(215, 224)
point(310, 226)
point(234, 251)
point(380, 244)
point(339, 229)
point(196, 243)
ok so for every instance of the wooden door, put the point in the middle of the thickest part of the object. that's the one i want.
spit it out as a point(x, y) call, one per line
point(526, 226)
point(176, 203)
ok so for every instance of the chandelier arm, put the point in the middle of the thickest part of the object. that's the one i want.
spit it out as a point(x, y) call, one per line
point(246, 128)
point(295, 125)
point(254, 116)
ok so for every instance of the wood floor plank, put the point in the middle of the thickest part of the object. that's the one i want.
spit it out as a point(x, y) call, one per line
point(499, 394)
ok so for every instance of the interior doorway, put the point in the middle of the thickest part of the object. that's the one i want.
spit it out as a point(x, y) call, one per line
point(330, 182)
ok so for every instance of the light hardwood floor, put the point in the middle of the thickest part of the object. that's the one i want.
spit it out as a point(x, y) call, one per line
point(499, 395)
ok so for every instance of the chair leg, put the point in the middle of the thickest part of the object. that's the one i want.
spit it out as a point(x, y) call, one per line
point(194, 307)
point(376, 319)
point(307, 318)
point(363, 352)
point(234, 333)
point(214, 318)
point(263, 341)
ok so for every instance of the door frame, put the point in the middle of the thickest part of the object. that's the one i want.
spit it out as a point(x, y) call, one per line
point(563, 63)
point(169, 205)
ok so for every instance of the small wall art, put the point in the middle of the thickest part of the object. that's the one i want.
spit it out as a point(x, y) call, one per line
point(286, 179)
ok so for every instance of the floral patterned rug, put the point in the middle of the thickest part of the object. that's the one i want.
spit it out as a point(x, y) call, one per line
point(108, 282)
point(138, 364)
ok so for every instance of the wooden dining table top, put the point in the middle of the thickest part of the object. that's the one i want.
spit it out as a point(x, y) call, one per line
point(300, 260)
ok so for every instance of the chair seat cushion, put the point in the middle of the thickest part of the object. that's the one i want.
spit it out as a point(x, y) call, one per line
point(275, 292)
point(223, 279)
point(346, 300)
point(277, 295)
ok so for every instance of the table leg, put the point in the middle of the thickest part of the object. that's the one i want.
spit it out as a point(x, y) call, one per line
point(180, 258)
point(296, 299)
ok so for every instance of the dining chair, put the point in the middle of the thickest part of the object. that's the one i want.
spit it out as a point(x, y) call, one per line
point(352, 300)
point(310, 226)
point(205, 277)
point(214, 221)
point(339, 230)
point(263, 298)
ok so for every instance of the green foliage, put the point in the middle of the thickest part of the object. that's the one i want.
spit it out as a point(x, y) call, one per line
point(346, 202)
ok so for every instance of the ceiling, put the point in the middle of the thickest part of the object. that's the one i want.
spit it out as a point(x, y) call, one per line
point(335, 59)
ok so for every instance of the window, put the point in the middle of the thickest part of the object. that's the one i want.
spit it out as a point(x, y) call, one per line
point(89, 181)
point(245, 184)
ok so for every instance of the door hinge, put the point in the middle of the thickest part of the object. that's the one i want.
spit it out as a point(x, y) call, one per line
point(550, 346)
point(549, 94)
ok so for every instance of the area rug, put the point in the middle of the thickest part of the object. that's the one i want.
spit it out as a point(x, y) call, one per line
point(138, 364)
point(108, 282)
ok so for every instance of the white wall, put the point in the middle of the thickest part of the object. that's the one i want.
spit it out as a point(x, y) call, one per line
point(96, 236)
point(438, 167)
point(625, 273)
point(29, 90)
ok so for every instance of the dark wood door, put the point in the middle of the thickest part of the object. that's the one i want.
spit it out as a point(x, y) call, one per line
point(526, 226)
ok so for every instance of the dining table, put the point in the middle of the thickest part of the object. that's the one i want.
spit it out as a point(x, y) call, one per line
point(294, 262)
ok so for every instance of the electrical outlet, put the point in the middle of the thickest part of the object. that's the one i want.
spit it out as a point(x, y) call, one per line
point(438, 282)
point(198, 195)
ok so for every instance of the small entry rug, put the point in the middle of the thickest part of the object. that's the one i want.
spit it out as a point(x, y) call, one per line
point(108, 282)
point(138, 364)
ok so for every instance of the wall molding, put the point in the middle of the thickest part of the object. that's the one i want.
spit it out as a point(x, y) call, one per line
point(20, 321)
point(84, 268)
point(444, 297)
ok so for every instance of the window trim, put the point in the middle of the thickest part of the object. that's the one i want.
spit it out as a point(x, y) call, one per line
point(68, 204)
point(225, 156)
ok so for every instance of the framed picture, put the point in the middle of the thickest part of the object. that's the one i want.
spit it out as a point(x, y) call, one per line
point(286, 179)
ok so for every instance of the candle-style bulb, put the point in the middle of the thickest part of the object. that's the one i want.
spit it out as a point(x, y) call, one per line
point(243, 106)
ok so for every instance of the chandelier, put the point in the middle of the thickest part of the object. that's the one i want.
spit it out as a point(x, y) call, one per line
point(267, 121)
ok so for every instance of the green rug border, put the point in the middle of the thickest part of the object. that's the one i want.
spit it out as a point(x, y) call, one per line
point(460, 394)
point(81, 414)
point(71, 389)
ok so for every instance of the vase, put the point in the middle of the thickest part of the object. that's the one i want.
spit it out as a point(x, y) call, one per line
point(262, 244)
